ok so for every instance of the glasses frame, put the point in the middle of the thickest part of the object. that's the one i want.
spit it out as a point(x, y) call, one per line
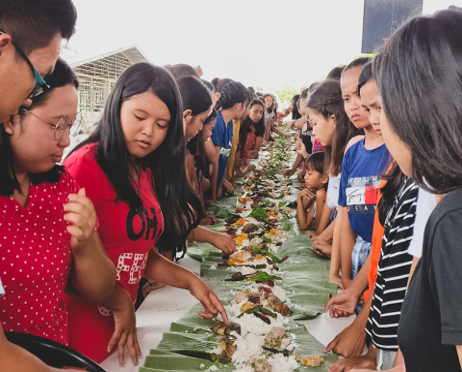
point(57, 127)
point(40, 83)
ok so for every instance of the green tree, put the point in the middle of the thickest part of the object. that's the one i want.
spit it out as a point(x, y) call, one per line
point(286, 93)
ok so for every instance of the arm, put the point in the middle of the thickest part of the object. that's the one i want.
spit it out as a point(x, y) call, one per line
point(159, 269)
point(324, 220)
point(305, 201)
point(347, 243)
point(320, 202)
point(214, 174)
point(93, 273)
point(14, 358)
point(258, 142)
point(300, 123)
point(220, 241)
point(277, 131)
point(289, 172)
point(191, 172)
point(334, 271)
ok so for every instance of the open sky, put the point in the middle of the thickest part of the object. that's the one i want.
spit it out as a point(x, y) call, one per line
point(266, 43)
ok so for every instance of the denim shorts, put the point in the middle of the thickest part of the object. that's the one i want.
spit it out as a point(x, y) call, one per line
point(359, 255)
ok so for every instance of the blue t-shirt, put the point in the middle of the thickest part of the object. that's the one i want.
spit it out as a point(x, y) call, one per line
point(222, 136)
point(359, 186)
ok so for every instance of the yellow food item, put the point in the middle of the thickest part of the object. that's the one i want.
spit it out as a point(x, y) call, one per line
point(244, 200)
point(271, 213)
point(241, 222)
point(247, 306)
point(272, 232)
point(239, 257)
point(259, 256)
point(240, 239)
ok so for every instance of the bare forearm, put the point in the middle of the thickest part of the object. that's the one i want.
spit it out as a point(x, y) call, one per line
point(324, 221)
point(159, 269)
point(347, 243)
point(303, 215)
point(93, 273)
point(14, 358)
point(297, 162)
point(328, 233)
point(200, 234)
point(336, 256)
point(258, 142)
point(359, 284)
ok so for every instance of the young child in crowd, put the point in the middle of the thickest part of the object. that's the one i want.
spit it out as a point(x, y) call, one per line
point(310, 201)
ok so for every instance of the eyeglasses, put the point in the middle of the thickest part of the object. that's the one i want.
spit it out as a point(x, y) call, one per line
point(40, 83)
point(72, 126)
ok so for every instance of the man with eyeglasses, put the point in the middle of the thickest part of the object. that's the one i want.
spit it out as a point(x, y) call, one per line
point(31, 32)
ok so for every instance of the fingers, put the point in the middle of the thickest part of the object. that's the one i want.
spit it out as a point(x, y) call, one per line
point(121, 348)
point(329, 303)
point(114, 340)
point(331, 345)
point(219, 307)
point(133, 348)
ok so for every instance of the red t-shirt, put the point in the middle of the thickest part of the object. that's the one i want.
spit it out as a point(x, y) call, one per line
point(127, 238)
point(35, 259)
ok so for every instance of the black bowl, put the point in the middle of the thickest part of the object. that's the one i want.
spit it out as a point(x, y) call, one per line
point(52, 353)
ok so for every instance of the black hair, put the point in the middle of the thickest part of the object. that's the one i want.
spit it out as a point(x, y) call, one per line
point(34, 23)
point(358, 62)
point(316, 162)
point(365, 76)
point(259, 94)
point(180, 205)
point(196, 146)
point(219, 84)
point(248, 123)
point(194, 95)
point(295, 113)
point(181, 70)
point(233, 93)
point(209, 85)
point(61, 76)
point(395, 180)
point(335, 73)
point(251, 90)
point(327, 100)
point(419, 76)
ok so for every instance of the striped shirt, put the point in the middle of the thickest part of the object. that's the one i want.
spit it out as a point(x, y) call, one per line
point(393, 270)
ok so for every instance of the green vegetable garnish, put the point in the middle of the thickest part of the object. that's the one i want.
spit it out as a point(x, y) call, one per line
point(259, 310)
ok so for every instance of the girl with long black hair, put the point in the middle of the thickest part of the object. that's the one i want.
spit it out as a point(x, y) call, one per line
point(133, 166)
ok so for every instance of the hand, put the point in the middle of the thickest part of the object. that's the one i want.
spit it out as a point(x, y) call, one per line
point(288, 173)
point(308, 194)
point(253, 154)
point(224, 242)
point(350, 363)
point(342, 304)
point(349, 343)
point(209, 300)
point(311, 234)
point(211, 202)
point(229, 187)
point(125, 332)
point(301, 148)
point(82, 217)
point(322, 247)
point(336, 279)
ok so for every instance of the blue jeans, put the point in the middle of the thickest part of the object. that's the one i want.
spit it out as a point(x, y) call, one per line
point(359, 255)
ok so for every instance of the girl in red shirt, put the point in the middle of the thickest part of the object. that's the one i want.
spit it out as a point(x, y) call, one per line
point(47, 224)
point(133, 167)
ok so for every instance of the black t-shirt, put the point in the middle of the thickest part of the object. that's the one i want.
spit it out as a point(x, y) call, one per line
point(431, 316)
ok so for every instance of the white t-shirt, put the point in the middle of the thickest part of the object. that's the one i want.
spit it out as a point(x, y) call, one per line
point(268, 116)
point(2, 291)
point(425, 205)
point(333, 190)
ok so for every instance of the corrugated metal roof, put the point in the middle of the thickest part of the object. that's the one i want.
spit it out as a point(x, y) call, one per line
point(132, 52)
